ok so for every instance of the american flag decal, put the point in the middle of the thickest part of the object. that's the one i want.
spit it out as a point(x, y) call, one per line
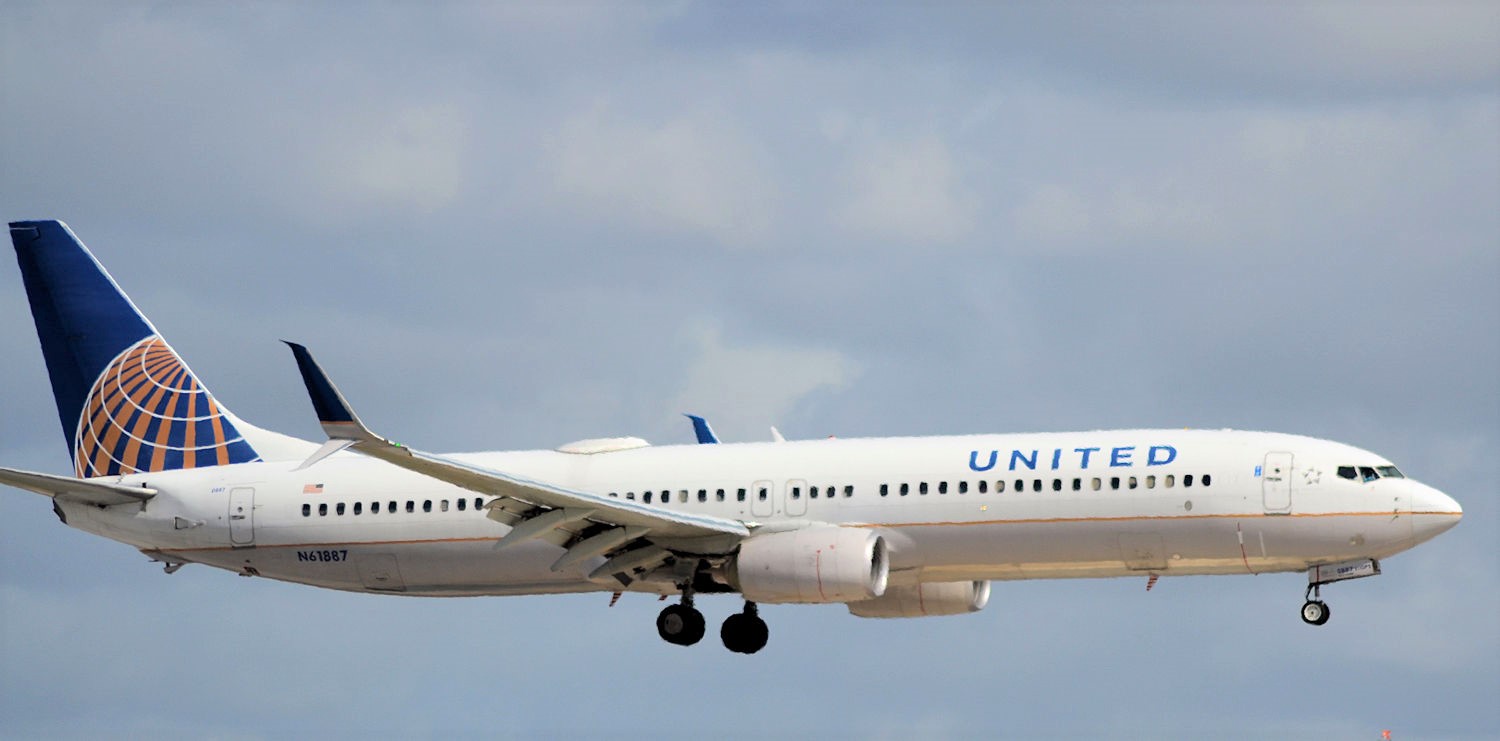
point(312, 489)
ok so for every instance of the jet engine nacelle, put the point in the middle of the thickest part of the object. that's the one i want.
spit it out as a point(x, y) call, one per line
point(811, 565)
point(924, 600)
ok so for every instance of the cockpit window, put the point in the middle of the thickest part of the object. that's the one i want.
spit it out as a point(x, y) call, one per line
point(1367, 474)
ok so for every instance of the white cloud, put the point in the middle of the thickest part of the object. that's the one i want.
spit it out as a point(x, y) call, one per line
point(906, 191)
point(409, 158)
point(697, 172)
point(754, 385)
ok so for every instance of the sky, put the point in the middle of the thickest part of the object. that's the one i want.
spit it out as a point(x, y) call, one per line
point(506, 226)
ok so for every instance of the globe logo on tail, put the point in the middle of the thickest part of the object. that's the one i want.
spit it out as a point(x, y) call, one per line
point(147, 412)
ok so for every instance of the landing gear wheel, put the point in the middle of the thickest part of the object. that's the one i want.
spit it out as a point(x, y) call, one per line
point(680, 624)
point(745, 632)
point(1315, 612)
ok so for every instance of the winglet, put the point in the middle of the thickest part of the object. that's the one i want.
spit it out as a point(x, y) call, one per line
point(334, 413)
point(705, 433)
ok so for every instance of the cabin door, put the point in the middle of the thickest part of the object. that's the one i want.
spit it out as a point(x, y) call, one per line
point(1276, 483)
point(242, 516)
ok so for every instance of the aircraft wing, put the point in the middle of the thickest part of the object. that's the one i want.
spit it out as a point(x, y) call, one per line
point(588, 523)
point(78, 490)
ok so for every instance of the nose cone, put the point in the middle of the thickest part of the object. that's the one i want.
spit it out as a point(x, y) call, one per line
point(1433, 512)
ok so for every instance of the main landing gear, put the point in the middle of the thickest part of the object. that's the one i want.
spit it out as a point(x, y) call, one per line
point(745, 632)
point(681, 624)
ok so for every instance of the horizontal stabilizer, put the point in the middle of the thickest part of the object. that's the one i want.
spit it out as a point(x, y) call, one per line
point(70, 489)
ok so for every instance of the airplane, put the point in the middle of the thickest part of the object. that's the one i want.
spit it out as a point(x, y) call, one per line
point(898, 527)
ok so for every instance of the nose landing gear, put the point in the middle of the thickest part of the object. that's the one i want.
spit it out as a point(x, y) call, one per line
point(1314, 611)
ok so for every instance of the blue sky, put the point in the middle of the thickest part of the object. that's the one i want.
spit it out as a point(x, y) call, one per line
point(510, 226)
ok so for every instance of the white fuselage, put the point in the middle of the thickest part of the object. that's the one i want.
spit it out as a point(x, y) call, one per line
point(1049, 505)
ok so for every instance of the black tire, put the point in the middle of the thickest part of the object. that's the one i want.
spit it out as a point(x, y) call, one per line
point(744, 633)
point(680, 625)
point(1314, 612)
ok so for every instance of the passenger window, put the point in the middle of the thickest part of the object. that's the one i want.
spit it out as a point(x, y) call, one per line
point(885, 489)
point(359, 507)
point(427, 505)
point(1077, 484)
point(905, 489)
point(942, 487)
point(441, 505)
point(630, 495)
point(812, 492)
point(682, 496)
point(307, 510)
point(963, 487)
point(1368, 474)
point(1187, 480)
point(1132, 482)
point(646, 497)
point(1114, 482)
point(848, 491)
point(1168, 480)
point(1036, 485)
point(1020, 486)
point(478, 504)
point(1206, 480)
point(1096, 484)
point(1348, 472)
point(1151, 481)
point(323, 510)
point(702, 495)
point(719, 495)
point(922, 488)
point(796, 492)
point(984, 486)
point(1057, 484)
point(463, 503)
point(739, 495)
point(411, 506)
point(762, 494)
point(374, 508)
point(338, 509)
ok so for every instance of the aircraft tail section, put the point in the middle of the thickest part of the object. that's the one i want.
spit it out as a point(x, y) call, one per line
point(127, 401)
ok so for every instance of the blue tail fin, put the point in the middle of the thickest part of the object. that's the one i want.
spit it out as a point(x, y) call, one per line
point(126, 400)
